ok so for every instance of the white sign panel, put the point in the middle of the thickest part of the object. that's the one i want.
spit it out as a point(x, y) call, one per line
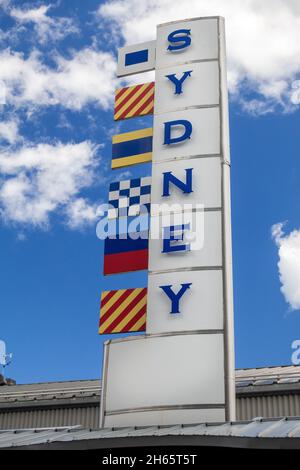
point(202, 90)
point(201, 43)
point(201, 307)
point(166, 417)
point(201, 246)
point(204, 171)
point(141, 375)
point(204, 139)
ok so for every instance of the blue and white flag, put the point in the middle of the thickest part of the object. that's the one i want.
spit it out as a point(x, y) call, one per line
point(136, 59)
point(126, 198)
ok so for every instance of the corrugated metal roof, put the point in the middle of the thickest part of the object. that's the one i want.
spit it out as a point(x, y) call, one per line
point(267, 376)
point(91, 388)
point(49, 391)
point(257, 428)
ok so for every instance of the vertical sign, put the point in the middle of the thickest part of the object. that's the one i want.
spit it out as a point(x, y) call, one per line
point(182, 371)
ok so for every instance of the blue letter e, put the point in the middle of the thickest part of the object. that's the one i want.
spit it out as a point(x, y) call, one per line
point(172, 235)
point(168, 129)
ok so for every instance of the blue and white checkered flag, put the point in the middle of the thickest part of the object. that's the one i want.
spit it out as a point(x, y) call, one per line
point(127, 197)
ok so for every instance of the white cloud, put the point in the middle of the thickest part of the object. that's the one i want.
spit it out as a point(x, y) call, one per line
point(46, 27)
point(4, 3)
point(263, 40)
point(295, 93)
point(9, 131)
point(88, 76)
point(289, 263)
point(35, 14)
point(81, 213)
point(37, 181)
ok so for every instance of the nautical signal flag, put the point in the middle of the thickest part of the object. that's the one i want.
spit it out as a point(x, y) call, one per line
point(123, 255)
point(131, 148)
point(129, 197)
point(133, 101)
point(137, 58)
point(123, 311)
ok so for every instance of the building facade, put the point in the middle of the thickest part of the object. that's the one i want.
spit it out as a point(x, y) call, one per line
point(263, 392)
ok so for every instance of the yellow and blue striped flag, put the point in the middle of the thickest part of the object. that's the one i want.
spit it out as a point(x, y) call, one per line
point(132, 148)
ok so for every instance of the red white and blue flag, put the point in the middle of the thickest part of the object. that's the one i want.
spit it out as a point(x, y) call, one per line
point(126, 254)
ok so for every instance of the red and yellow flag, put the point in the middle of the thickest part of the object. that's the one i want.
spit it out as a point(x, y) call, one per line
point(133, 101)
point(123, 311)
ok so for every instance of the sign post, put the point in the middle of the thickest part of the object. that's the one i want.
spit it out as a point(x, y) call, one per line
point(182, 370)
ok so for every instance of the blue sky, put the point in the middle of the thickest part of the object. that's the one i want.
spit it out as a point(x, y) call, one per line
point(58, 68)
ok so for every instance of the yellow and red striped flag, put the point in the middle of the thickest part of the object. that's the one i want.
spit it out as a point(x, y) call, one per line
point(123, 311)
point(133, 101)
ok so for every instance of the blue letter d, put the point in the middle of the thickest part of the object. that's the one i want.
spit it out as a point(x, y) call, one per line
point(168, 129)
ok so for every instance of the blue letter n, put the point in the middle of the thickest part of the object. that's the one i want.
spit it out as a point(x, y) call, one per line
point(186, 187)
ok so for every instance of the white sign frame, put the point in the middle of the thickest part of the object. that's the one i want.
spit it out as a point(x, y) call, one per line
point(209, 46)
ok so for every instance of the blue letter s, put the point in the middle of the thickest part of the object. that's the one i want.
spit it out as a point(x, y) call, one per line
point(181, 38)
